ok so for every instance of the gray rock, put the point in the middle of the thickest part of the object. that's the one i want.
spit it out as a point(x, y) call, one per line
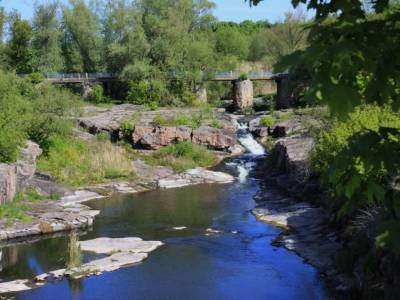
point(243, 94)
point(107, 245)
point(16, 177)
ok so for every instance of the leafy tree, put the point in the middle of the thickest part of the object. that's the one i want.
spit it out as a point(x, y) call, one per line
point(124, 38)
point(81, 40)
point(20, 52)
point(46, 38)
point(230, 41)
point(3, 54)
point(281, 39)
point(352, 55)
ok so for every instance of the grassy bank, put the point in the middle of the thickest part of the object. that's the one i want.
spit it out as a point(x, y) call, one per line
point(182, 156)
point(79, 163)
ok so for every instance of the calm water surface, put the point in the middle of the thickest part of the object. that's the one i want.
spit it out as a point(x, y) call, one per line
point(191, 265)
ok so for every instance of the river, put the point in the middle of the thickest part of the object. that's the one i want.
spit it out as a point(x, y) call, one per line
point(238, 262)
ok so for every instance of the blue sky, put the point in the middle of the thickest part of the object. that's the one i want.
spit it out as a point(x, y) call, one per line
point(227, 10)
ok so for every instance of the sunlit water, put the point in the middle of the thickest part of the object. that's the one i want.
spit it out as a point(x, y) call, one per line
point(238, 263)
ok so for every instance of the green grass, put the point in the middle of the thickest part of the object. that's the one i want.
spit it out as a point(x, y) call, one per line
point(182, 156)
point(267, 121)
point(79, 163)
point(18, 208)
point(216, 124)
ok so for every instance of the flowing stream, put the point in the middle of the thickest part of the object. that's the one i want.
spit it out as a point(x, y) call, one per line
point(238, 262)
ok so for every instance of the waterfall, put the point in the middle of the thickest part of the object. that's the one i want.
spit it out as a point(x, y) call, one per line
point(245, 163)
point(247, 140)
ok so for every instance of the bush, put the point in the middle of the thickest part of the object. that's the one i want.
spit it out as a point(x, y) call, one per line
point(357, 161)
point(36, 77)
point(35, 112)
point(97, 94)
point(182, 156)
point(243, 76)
point(267, 121)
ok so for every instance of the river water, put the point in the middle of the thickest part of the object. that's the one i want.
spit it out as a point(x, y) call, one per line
point(237, 263)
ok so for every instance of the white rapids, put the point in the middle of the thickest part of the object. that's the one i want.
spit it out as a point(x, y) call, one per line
point(247, 163)
point(248, 141)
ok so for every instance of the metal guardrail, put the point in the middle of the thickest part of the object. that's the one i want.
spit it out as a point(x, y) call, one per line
point(62, 76)
point(226, 75)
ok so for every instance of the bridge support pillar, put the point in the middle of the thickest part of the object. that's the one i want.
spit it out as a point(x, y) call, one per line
point(201, 94)
point(86, 90)
point(243, 94)
point(283, 94)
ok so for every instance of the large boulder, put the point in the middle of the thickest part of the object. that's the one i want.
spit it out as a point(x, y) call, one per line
point(243, 96)
point(213, 138)
point(292, 153)
point(14, 177)
point(156, 137)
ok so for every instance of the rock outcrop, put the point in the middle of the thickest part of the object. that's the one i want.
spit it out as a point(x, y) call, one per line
point(243, 94)
point(156, 137)
point(214, 138)
point(16, 176)
point(148, 135)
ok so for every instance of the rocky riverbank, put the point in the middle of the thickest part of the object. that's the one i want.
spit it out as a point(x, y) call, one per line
point(291, 198)
point(68, 213)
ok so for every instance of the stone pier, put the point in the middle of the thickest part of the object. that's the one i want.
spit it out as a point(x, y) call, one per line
point(283, 99)
point(243, 94)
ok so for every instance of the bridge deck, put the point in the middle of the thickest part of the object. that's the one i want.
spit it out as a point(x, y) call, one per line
point(220, 76)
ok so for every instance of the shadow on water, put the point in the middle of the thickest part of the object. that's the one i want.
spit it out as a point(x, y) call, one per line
point(237, 263)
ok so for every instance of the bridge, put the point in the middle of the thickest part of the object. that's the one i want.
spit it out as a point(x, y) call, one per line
point(219, 76)
point(85, 80)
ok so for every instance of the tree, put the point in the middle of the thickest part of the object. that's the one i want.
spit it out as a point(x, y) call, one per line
point(81, 41)
point(124, 37)
point(281, 39)
point(20, 52)
point(230, 41)
point(3, 53)
point(47, 37)
point(353, 57)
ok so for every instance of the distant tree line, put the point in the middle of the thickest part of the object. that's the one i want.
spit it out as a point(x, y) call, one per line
point(142, 41)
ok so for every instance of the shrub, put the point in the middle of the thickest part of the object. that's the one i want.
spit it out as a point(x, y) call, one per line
point(36, 77)
point(357, 161)
point(243, 76)
point(127, 128)
point(97, 94)
point(182, 156)
point(267, 121)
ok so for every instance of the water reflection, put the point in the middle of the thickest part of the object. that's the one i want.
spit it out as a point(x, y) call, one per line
point(240, 265)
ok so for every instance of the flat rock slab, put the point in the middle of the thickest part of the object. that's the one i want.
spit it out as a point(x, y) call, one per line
point(54, 216)
point(307, 233)
point(122, 252)
point(193, 177)
point(19, 285)
point(107, 245)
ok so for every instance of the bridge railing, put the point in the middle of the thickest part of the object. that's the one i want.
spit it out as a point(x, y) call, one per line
point(66, 76)
point(237, 74)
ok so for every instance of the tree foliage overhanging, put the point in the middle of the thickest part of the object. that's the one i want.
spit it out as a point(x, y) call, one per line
point(353, 62)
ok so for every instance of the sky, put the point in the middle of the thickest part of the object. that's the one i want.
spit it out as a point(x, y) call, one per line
point(226, 10)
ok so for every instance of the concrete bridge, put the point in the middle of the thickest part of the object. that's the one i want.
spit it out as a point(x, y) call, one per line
point(242, 88)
